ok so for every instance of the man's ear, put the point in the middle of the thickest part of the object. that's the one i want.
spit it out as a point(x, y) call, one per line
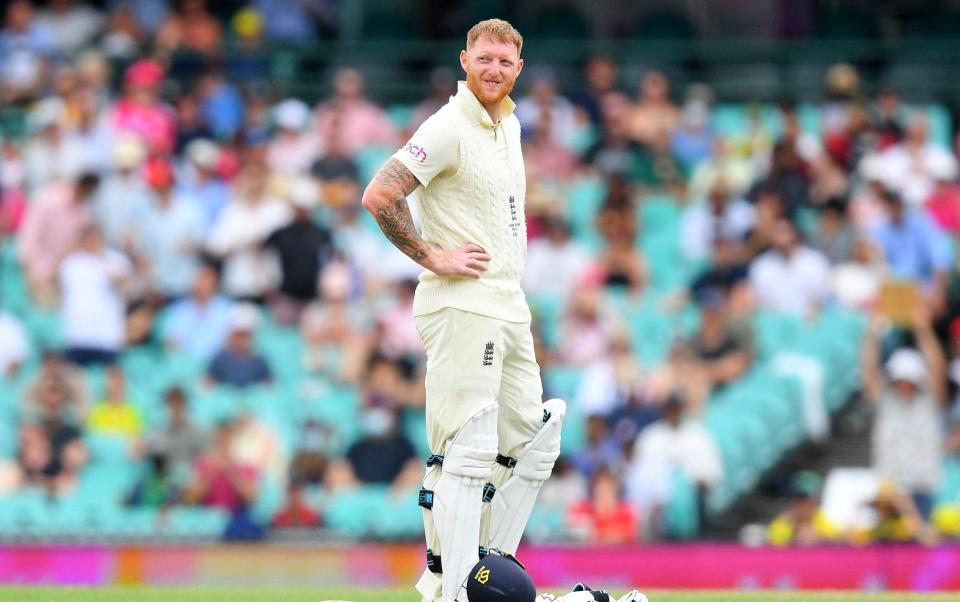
point(519, 66)
point(463, 60)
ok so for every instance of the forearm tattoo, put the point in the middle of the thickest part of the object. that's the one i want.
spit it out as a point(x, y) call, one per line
point(394, 217)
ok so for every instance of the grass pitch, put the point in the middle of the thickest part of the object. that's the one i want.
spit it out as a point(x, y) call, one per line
point(218, 594)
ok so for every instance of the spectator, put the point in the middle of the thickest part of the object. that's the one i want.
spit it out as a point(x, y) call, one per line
point(383, 454)
point(221, 481)
point(683, 444)
point(943, 204)
point(294, 148)
point(615, 153)
point(257, 444)
point(296, 22)
point(803, 523)
point(150, 14)
point(221, 104)
point(336, 339)
point(544, 99)
point(834, 236)
point(24, 46)
point(587, 327)
point(613, 380)
point(122, 202)
point(140, 112)
point(790, 277)
point(914, 248)
point(856, 283)
point(201, 181)
point(123, 37)
point(722, 351)
point(302, 247)
point(115, 415)
point(544, 254)
point(73, 25)
point(237, 364)
point(92, 281)
point(200, 323)
point(602, 450)
point(600, 75)
point(605, 517)
point(361, 123)
point(237, 237)
point(68, 381)
point(337, 174)
point(443, 85)
point(51, 153)
point(620, 263)
point(193, 29)
point(546, 160)
point(727, 271)
point(67, 451)
point(296, 512)
point(247, 61)
point(693, 141)
point(309, 465)
point(157, 488)
point(397, 337)
point(654, 113)
point(191, 126)
point(172, 234)
point(896, 518)
point(722, 215)
point(909, 166)
point(909, 397)
point(179, 442)
point(14, 345)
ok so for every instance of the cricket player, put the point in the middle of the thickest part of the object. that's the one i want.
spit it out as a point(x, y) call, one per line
point(493, 439)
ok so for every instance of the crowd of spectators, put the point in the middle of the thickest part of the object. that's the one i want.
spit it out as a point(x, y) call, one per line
point(183, 212)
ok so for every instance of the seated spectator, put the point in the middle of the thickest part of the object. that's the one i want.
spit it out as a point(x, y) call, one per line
point(193, 29)
point(296, 512)
point(587, 327)
point(914, 248)
point(295, 24)
point(54, 224)
point(654, 112)
point(92, 281)
point(73, 25)
point(200, 323)
point(693, 140)
point(237, 364)
point(397, 336)
point(544, 254)
point(221, 481)
point(943, 204)
point(360, 122)
point(834, 236)
point(383, 454)
point(602, 449)
point(201, 180)
point(310, 463)
point(722, 351)
point(237, 237)
point(123, 199)
point(721, 216)
point(605, 517)
point(179, 442)
point(24, 43)
point(895, 519)
point(294, 147)
point(803, 523)
point(769, 208)
point(613, 380)
point(14, 345)
point(257, 444)
point(791, 277)
point(171, 235)
point(115, 415)
point(68, 452)
point(69, 381)
point(726, 272)
point(141, 112)
point(157, 488)
point(909, 166)
point(683, 444)
point(337, 340)
point(565, 484)
point(909, 396)
point(302, 247)
point(856, 283)
point(620, 263)
point(52, 153)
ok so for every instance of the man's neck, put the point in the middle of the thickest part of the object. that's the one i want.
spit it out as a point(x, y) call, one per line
point(493, 111)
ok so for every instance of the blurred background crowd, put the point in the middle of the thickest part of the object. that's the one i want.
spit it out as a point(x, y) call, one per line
point(752, 309)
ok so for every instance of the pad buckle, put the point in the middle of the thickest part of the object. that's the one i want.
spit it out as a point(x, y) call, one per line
point(507, 461)
point(425, 499)
point(488, 491)
point(435, 460)
point(433, 562)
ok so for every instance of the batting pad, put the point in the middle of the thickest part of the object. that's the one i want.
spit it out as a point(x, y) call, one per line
point(457, 498)
point(518, 485)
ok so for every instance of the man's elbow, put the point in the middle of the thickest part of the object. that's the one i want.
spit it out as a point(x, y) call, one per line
point(370, 200)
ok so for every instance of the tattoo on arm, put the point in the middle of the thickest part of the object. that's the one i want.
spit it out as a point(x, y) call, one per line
point(394, 217)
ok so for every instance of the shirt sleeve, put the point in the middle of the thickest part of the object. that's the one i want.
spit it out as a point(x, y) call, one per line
point(432, 150)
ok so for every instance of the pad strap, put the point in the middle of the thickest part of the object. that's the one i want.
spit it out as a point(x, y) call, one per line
point(507, 461)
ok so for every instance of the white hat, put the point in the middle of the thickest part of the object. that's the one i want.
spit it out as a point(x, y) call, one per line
point(304, 193)
point(203, 153)
point(128, 152)
point(291, 114)
point(245, 317)
point(942, 167)
point(907, 364)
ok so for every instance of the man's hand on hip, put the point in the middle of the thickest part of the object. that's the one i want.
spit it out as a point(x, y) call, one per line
point(469, 260)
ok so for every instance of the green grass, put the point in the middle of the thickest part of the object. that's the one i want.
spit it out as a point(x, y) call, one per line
point(223, 594)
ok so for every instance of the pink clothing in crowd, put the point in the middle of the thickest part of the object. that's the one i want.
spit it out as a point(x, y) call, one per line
point(154, 123)
point(50, 230)
point(356, 125)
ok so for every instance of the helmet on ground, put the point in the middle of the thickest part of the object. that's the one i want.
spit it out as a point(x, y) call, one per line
point(500, 577)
